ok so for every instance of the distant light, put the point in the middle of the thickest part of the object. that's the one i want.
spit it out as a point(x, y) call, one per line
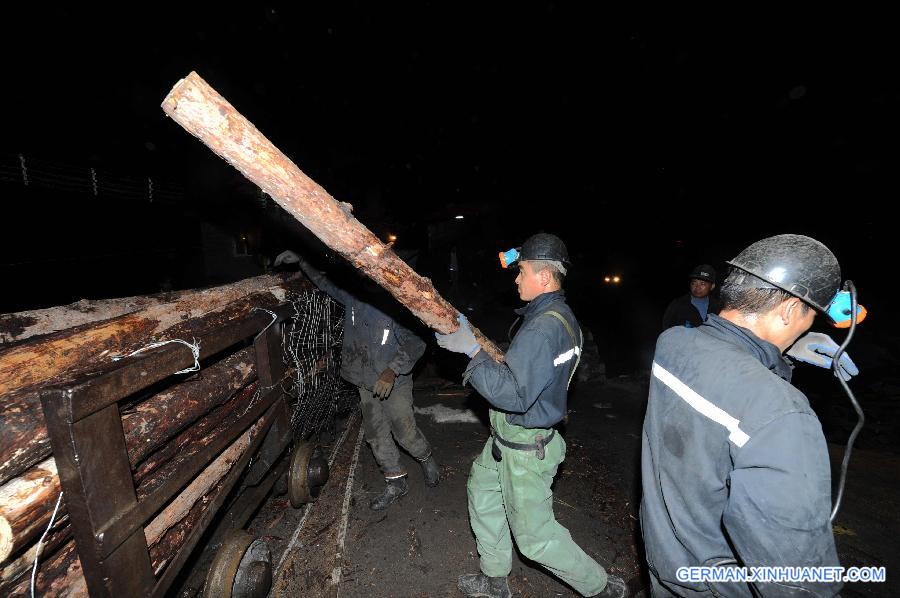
point(606, 279)
point(616, 279)
point(392, 238)
point(460, 217)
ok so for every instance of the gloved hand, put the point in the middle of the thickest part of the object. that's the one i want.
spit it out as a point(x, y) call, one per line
point(287, 257)
point(818, 349)
point(461, 341)
point(384, 384)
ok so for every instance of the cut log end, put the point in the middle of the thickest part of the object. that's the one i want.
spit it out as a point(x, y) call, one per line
point(170, 103)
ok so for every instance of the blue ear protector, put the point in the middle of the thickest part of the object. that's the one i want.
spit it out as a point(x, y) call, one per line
point(508, 258)
point(839, 310)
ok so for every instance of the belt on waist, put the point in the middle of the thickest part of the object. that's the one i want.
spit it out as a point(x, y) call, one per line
point(538, 445)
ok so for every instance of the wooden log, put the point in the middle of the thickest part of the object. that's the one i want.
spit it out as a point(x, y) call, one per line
point(25, 506)
point(27, 501)
point(162, 551)
point(156, 420)
point(71, 353)
point(194, 436)
point(200, 486)
point(24, 441)
point(197, 107)
point(195, 439)
point(16, 327)
point(22, 564)
point(59, 576)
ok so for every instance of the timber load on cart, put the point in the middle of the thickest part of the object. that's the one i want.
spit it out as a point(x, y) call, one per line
point(132, 428)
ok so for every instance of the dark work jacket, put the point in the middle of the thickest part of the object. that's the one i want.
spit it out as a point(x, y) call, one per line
point(734, 463)
point(531, 386)
point(373, 341)
point(682, 312)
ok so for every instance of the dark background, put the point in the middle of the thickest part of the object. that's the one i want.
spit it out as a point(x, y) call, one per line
point(649, 142)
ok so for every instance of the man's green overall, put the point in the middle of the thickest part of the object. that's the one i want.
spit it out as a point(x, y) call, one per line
point(514, 495)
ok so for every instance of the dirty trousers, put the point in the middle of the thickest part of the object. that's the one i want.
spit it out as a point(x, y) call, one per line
point(393, 415)
point(514, 495)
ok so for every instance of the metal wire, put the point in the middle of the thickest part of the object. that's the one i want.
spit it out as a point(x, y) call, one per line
point(29, 171)
point(835, 364)
point(312, 341)
point(40, 544)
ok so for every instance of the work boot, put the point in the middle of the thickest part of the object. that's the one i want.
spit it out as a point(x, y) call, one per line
point(615, 588)
point(393, 489)
point(479, 584)
point(431, 470)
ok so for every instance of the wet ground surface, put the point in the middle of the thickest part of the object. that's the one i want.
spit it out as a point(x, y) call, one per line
point(421, 544)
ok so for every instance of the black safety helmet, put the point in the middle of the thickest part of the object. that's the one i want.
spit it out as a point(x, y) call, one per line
point(544, 246)
point(797, 264)
point(704, 272)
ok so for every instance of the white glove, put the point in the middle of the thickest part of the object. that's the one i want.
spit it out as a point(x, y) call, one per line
point(461, 341)
point(287, 257)
point(818, 349)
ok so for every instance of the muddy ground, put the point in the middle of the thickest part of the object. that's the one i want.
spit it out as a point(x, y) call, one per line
point(418, 547)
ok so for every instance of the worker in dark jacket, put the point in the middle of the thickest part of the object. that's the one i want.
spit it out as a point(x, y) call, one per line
point(693, 308)
point(378, 356)
point(509, 485)
point(735, 468)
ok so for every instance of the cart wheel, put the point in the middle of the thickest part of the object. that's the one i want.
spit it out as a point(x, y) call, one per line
point(307, 474)
point(254, 574)
point(242, 568)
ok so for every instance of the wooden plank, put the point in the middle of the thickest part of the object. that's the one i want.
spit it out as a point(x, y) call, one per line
point(96, 478)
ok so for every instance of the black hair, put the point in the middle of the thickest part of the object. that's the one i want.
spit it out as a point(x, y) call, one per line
point(748, 300)
point(541, 265)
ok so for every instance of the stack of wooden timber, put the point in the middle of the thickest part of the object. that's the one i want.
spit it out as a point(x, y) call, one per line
point(59, 345)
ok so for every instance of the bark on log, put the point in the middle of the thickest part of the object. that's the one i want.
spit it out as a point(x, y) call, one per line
point(192, 442)
point(66, 355)
point(167, 413)
point(193, 436)
point(198, 108)
point(73, 352)
point(24, 441)
point(59, 576)
point(26, 502)
point(16, 327)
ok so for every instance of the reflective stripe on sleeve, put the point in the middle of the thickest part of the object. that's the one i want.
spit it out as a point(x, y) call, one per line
point(737, 436)
point(567, 356)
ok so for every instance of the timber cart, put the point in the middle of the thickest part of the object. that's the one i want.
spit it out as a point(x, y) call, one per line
point(215, 399)
point(108, 518)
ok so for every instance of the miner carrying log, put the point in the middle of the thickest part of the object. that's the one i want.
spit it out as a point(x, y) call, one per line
point(377, 357)
point(509, 485)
